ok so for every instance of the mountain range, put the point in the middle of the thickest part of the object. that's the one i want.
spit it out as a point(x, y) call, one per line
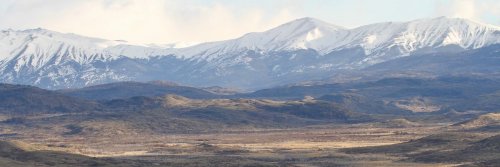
point(302, 50)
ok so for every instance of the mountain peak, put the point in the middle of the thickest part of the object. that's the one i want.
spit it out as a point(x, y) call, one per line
point(301, 33)
point(454, 21)
point(448, 18)
point(39, 29)
point(309, 22)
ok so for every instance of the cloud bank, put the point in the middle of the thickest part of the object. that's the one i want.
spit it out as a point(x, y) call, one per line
point(142, 21)
point(192, 21)
point(470, 9)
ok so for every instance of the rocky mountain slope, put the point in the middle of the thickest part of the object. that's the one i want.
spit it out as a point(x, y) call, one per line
point(301, 50)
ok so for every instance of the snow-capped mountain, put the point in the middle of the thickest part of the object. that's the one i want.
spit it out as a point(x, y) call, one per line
point(375, 39)
point(40, 45)
point(305, 33)
point(35, 56)
point(302, 49)
point(51, 59)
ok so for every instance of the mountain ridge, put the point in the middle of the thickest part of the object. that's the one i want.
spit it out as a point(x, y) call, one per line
point(300, 50)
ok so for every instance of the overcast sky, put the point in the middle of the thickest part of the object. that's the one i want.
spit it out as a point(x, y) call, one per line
point(168, 21)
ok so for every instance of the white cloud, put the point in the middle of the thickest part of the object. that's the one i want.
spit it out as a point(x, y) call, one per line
point(142, 21)
point(463, 9)
point(165, 21)
point(479, 10)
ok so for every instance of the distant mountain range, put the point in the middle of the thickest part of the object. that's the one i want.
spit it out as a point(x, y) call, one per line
point(302, 50)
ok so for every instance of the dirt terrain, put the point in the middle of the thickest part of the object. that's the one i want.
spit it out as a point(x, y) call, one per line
point(392, 122)
point(318, 145)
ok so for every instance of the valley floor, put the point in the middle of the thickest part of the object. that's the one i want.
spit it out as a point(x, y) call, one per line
point(310, 146)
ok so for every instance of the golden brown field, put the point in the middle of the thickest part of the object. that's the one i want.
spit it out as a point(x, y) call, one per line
point(310, 146)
